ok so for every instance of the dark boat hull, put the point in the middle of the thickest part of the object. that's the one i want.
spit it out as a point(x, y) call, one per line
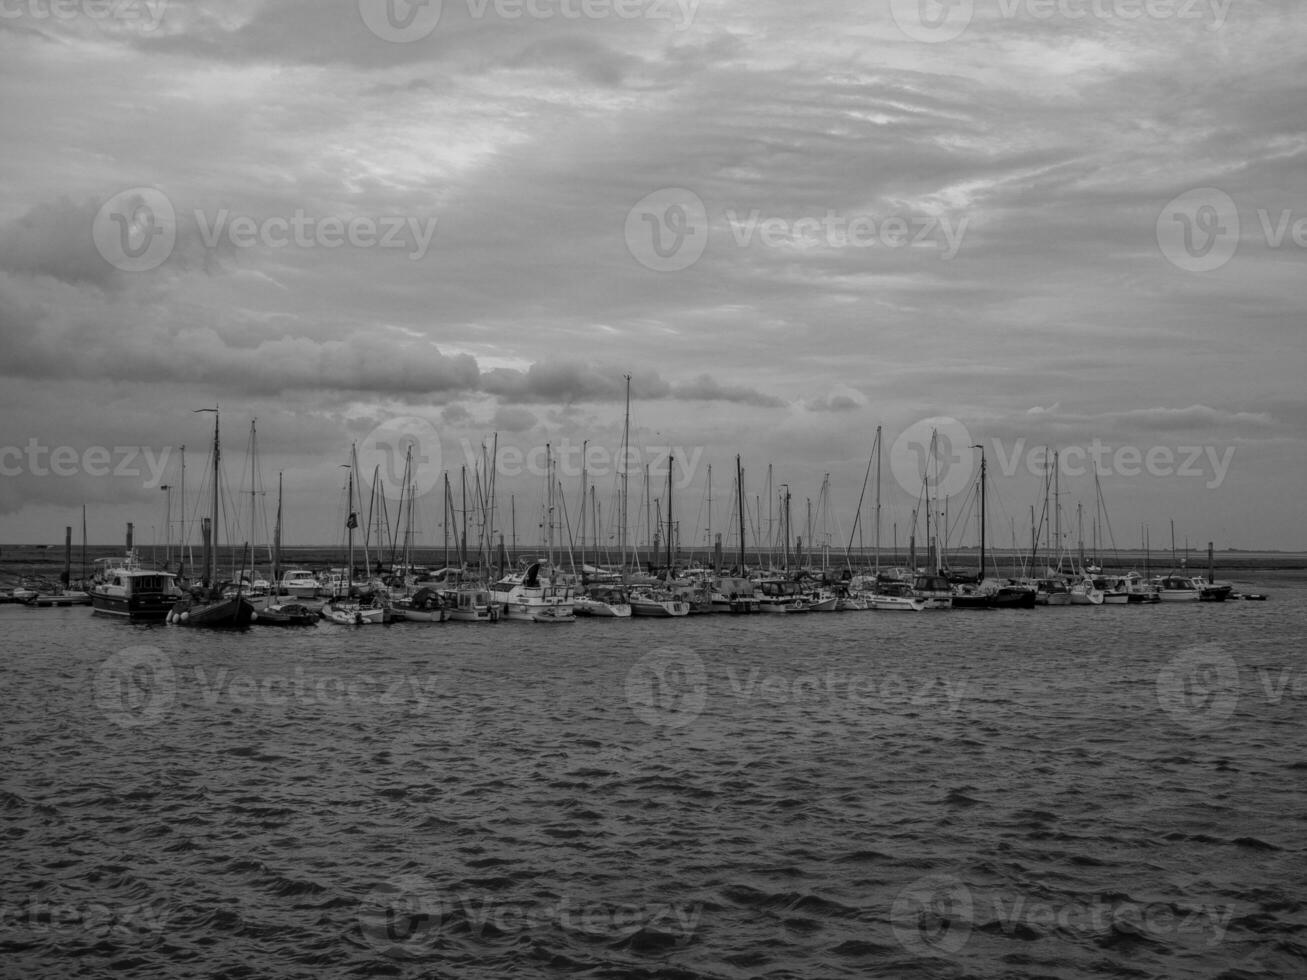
point(977, 601)
point(234, 612)
point(292, 614)
point(137, 608)
point(1014, 599)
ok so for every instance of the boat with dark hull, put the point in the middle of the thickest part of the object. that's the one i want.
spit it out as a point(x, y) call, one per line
point(1015, 596)
point(213, 610)
point(212, 604)
point(123, 588)
point(286, 614)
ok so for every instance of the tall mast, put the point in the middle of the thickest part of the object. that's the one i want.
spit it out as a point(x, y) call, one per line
point(445, 523)
point(878, 449)
point(352, 521)
point(405, 487)
point(490, 505)
point(217, 459)
point(185, 541)
point(253, 453)
point(785, 529)
point(1080, 532)
point(211, 564)
point(1057, 509)
point(739, 503)
point(626, 435)
point(167, 524)
point(1034, 542)
point(710, 548)
point(584, 446)
point(981, 577)
point(276, 539)
point(549, 504)
point(671, 464)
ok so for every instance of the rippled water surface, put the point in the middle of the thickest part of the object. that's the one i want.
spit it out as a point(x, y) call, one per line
point(1065, 792)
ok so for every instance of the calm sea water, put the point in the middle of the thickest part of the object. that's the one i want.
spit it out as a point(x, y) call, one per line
point(1060, 793)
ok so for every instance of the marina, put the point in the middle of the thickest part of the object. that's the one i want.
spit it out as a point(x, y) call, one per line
point(653, 490)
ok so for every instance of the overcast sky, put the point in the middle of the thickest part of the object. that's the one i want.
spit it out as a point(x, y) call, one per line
point(1079, 224)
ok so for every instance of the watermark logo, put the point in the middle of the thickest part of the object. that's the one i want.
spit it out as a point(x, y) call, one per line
point(136, 229)
point(932, 21)
point(401, 21)
point(667, 231)
point(667, 687)
point(1198, 231)
point(407, 441)
point(135, 687)
point(402, 919)
point(933, 916)
point(1199, 687)
point(938, 450)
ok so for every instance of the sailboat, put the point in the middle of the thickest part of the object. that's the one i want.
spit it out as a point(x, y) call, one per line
point(605, 600)
point(344, 608)
point(654, 600)
point(533, 595)
point(931, 586)
point(208, 605)
point(283, 613)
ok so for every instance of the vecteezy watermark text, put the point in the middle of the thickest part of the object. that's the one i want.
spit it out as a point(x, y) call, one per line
point(48, 916)
point(835, 230)
point(303, 230)
point(140, 686)
point(935, 916)
point(144, 15)
point(38, 459)
point(668, 230)
point(406, 918)
point(136, 230)
point(407, 451)
point(406, 21)
point(942, 449)
point(935, 21)
point(669, 687)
